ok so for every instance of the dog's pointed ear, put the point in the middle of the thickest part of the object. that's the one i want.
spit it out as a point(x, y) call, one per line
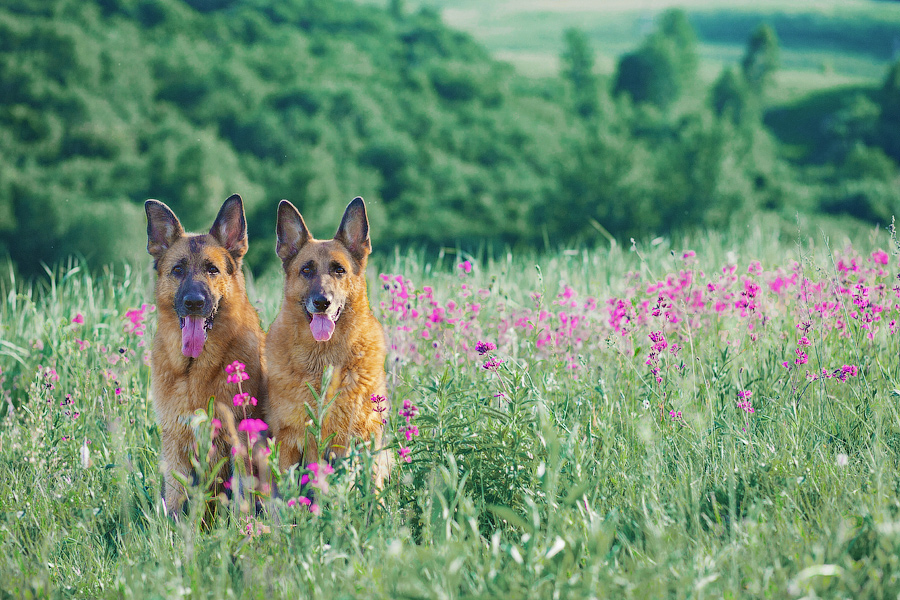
point(230, 227)
point(163, 228)
point(290, 232)
point(354, 230)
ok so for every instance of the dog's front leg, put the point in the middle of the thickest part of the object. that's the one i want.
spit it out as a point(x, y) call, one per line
point(176, 447)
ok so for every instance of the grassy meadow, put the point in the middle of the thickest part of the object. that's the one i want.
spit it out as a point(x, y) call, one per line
point(706, 417)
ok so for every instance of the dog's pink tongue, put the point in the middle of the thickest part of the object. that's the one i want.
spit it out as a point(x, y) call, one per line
point(193, 336)
point(322, 327)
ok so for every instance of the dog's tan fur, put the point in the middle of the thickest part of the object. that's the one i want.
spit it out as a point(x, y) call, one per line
point(181, 384)
point(335, 268)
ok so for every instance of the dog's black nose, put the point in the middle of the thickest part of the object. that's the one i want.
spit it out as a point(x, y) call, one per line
point(321, 303)
point(194, 302)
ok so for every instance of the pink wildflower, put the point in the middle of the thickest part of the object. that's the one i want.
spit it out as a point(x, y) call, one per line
point(409, 410)
point(320, 471)
point(380, 406)
point(848, 371)
point(318, 479)
point(493, 364)
point(244, 399)
point(136, 318)
point(236, 372)
point(880, 257)
point(253, 427)
point(409, 431)
point(485, 347)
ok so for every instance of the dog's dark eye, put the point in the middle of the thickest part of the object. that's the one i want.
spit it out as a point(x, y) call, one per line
point(212, 270)
point(178, 270)
point(308, 270)
point(338, 269)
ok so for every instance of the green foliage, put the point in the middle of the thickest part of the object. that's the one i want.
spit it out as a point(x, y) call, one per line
point(578, 68)
point(664, 66)
point(649, 75)
point(889, 100)
point(675, 27)
point(807, 126)
point(302, 100)
point(853, 126)
point(760, 59)
point(732, 99)
point(855, 172)
point(865, 186)
point(106, 103)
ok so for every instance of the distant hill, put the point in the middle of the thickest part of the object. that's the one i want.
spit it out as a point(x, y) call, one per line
point(852, 39)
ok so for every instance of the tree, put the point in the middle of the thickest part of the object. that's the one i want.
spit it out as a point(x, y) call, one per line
point(674, 26)
point(664, 66)
point(855, 124)
point(761, 58)
point(650, 74)
point(731, 99)
point(578, 67)
point(397, 8)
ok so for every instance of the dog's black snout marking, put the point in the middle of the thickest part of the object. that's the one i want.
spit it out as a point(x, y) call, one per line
point(194, 302)
point(321, 303)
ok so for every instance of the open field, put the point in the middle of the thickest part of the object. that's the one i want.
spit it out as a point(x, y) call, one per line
point(710, 417)
point(843, 42)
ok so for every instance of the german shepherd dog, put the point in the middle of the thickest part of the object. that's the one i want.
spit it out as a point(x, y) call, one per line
point(325, 321)
point(205, 323)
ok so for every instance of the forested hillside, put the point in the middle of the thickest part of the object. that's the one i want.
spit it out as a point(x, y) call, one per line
point(104, 103)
